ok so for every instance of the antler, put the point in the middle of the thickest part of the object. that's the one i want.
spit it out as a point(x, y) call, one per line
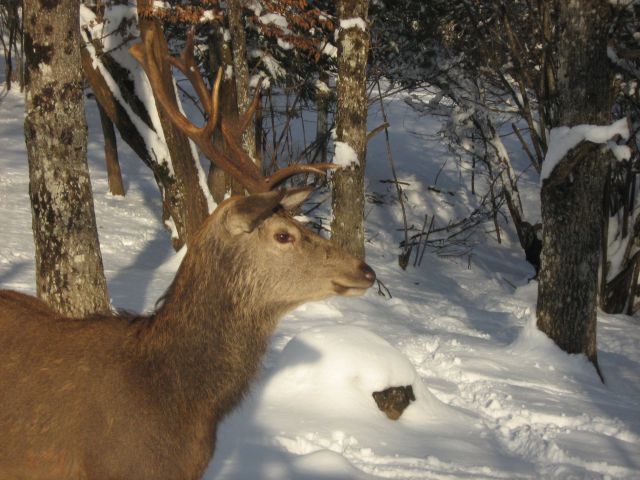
point(237, 162)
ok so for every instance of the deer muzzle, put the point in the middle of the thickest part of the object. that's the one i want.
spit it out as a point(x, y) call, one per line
point(357, 284)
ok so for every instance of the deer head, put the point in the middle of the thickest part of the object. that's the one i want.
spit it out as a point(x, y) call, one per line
point(300, 265)
point(282, 246)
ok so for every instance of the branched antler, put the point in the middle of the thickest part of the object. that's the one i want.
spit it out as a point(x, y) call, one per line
point(237, 162)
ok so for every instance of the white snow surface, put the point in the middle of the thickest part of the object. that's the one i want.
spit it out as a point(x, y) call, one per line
point(495, 398)
point(563, 139)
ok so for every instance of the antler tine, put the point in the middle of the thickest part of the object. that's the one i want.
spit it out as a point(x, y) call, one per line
point(189, 67)
point(236, 162)
point(245, 172)
point(214, 114)
point(283, 174)
point(144, 53)
point(232, 140)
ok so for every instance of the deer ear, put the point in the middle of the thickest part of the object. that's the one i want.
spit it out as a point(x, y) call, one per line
point(295, 197)
point(244, 214)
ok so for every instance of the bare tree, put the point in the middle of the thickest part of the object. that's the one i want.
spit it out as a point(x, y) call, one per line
point(572, 196)
point(10, 37)
point(347, 226)
point(241, 69)
point(192, 203)
point(221, 56)
point(69, 273)
point(164, 150)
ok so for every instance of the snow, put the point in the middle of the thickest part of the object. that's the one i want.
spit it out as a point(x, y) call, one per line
point(563, 139)
point(338, 357)
point(357, 22)
point(495, 398)
point(330, 50)
point(274, 19)
point(284, 45)
point(208, 16)
point(321, 87)
point(345, 155)
point(114, 15)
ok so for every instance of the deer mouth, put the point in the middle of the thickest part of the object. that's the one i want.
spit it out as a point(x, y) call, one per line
point(349, 290)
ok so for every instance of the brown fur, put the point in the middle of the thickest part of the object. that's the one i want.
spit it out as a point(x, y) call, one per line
point(139, 397)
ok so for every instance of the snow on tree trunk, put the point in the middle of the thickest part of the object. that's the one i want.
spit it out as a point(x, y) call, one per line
point(241, 70)
point(572, 196)
point(135, 126)
point(347, 225)
point(69, 272)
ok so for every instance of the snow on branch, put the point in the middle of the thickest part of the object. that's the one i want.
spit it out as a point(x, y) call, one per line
point(153, 136)
point(275, 19)
point(356, 22)
point(563, 139)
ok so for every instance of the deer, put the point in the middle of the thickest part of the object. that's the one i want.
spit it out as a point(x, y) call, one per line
point(124, 396)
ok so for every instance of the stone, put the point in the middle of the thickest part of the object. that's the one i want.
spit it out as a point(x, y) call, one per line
point(393, 400)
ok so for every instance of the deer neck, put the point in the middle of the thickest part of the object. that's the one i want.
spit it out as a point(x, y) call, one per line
point(210, 333)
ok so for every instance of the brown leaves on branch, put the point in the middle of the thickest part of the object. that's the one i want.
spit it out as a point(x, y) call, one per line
point(184, 14)
point(307, 30)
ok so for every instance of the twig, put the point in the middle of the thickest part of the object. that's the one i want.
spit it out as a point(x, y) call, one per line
point(395, 181)
point(383, 286)
point(426, 240)
point(377, 130)
point(534, 161)
point(424, 226)
point(404, 255)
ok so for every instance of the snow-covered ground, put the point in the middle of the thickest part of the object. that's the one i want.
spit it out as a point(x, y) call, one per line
point(495, 398)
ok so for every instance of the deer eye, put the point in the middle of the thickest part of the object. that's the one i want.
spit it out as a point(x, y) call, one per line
point(283, 237)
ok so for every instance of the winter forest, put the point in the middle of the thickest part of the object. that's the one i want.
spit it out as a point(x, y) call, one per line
point(300, 239)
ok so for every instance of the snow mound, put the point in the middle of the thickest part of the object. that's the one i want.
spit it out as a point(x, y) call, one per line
point(316, 404)
point(341, 366)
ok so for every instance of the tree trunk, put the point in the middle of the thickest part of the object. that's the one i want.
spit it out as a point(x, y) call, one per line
point(191, 203)
point(221, 56)
point(114, 175)
point(129, 132)
point(572, 198)
point(241, 70)
point(323, 100)
point(347, 226)
point(69, 273)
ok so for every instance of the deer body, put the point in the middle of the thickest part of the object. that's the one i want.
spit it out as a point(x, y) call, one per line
point(139, 397)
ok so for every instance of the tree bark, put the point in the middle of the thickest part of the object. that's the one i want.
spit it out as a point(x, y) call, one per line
point(572, 198)
point(347, 226)
point(190, 202)
point(221, 56)
point(114, 174)
point(69, 272)
point(241, 71)
point(323, 100)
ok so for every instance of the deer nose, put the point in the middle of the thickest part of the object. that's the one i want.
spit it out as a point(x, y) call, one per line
point(368, 272)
